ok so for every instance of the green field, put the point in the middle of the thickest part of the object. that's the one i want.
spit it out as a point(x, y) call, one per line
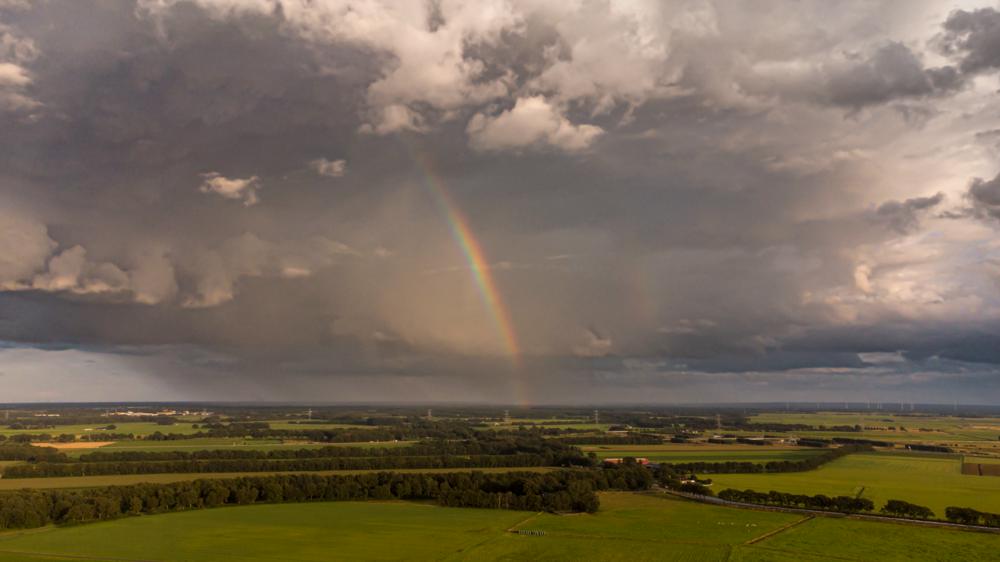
point(932, 481)
point(628, 527)
point(214, 443)
point(135, 428)
point(824, 539)
point(674, 454)
point(935, 428)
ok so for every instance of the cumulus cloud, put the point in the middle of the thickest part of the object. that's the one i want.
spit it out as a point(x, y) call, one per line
point(25, 247)
point(217, 272)
point(329, 168)
point(153, 279)
point(71, 271)
point(240, 189)
point(15, 52)
point(532, 121)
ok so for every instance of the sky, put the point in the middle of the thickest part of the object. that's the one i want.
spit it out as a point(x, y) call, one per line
point(501, 201)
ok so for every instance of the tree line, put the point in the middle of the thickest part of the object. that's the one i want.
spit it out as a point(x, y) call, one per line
point(63, 469)
point(630, 439)
point(488, 453)
point(30, 453)
point(929, 448)
point(566, 490)
point(969, 516)
point(821, 502)
point(487, 445)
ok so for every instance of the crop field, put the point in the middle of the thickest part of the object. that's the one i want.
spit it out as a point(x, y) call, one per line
point(126, 479)
point(215, 443)
point(135, 428)
point(907, 427)
point(628, 527)
point(933, 481)
point(668, 454)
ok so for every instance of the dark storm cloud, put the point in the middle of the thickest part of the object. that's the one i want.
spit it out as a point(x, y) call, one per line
point(903, 216)
point(973, 36)
point(209, 193)
point(984, 198)
point(892, 72)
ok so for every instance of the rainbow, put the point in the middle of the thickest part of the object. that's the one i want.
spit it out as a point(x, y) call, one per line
point(474, 256)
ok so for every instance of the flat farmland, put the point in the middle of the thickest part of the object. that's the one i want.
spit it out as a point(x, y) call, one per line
point(683, 453)
point(823, 538)
point(628, 527)
point(215, 443)
point(917, 427)
point(933, 481)
point(135, 428)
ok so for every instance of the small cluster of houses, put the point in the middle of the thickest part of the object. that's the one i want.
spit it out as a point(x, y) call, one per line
point(733, 439)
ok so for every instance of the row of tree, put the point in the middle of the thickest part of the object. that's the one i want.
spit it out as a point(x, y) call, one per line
point(30, 453)
point(900, 508)
point(566, 490)
point(802, 465)
point(929, 448)
point(63, 469)
point(486, 445)
point(843, 504)
point(630, 439)
point(969, 516)
point(853, 441)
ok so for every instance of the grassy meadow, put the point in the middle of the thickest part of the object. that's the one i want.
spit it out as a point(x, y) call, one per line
point(682, 453)
point(932, 481)
point(628, 527)
point(908, 427)
point(139, 429)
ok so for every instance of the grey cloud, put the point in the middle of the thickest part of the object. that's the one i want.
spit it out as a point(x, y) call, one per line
point(974, 37)
point(892, 72)
point(903, 216)
point(711, 212)
point(984, 198)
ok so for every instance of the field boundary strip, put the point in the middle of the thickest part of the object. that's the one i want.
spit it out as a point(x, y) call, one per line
point(781, 529)
point(513, 528)
point(74, 556)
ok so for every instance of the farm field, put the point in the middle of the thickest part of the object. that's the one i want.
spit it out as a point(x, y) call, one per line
point(135, 428)
point(939, 428)
point(932, 481)
point(667, 454)
point(215, 443)
point(849, 539)
point(628, 527)
point(126, 479)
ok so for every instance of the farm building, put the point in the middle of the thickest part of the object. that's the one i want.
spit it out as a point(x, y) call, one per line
point(640, 460)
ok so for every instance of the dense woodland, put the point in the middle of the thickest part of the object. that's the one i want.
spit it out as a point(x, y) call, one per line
point(566, 490)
